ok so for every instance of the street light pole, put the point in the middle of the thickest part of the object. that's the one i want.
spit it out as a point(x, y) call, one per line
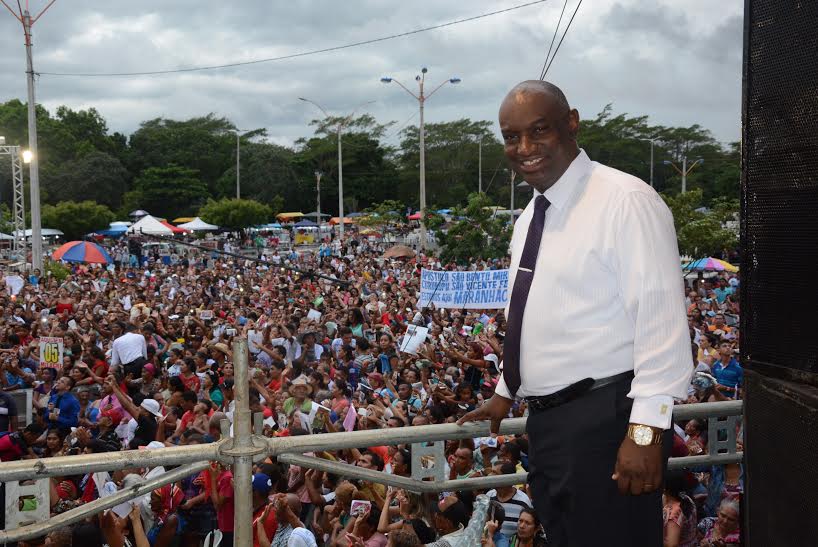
point(480, 166)
point(318, 199)
point(28, 21)
point(685, 170)
point(339, 130)
point(421, 98)
point(513, 176)
point(238, 166)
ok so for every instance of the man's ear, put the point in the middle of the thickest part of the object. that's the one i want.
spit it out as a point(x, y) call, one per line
point(573, 123)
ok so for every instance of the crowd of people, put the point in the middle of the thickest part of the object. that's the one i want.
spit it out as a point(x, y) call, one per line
point(148, 364)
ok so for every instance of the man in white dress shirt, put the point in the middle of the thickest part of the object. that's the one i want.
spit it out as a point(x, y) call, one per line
point(597, 340)
point(130, 350)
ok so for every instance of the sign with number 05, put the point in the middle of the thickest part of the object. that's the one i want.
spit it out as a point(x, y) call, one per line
point(51, 352)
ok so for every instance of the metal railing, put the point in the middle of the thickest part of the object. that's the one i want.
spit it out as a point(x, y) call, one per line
point(246, 447)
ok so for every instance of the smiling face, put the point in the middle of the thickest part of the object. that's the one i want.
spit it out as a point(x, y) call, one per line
point(539, 131)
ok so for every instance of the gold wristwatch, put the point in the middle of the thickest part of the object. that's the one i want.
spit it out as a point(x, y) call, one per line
point(644, 435)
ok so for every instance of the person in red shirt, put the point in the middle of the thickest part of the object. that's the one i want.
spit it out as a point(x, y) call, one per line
point(264, 515)
point(221, 494)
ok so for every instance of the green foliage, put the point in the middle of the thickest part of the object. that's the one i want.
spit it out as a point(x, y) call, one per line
point(479, 235)
point(702, 233)
point(369, 173)
point(6, 220)
point(389, 211)
point(96, 176)
point(236, 213)
point(172, 168)
point(58, 270)
point(167, 192)
point(452, 161)
point(76, 219)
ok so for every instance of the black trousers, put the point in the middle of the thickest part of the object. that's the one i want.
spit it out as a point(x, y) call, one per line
point(572, 454)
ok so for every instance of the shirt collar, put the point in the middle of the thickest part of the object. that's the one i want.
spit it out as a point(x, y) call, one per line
point(562, 190)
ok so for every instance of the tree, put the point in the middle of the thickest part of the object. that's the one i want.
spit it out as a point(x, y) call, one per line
point(479, 236)
point(96, 176)
point(389, 211)
point(267, 172)
point(76, 219)
point(167, 191)
point(369, 173)
point(237, 213)
point(205, 144)
point(452, 161)
point(701, 232)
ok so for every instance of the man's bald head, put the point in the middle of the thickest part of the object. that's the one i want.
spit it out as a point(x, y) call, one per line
point(538, 87)
point(539, 132)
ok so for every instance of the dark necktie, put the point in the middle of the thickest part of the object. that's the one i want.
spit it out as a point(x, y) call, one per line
point(519, 296)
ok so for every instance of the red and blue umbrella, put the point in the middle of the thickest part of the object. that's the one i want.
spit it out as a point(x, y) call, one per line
point(82, 251)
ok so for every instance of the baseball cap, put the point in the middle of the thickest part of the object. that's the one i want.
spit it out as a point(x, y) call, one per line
point(262, 484)
point(152, 406)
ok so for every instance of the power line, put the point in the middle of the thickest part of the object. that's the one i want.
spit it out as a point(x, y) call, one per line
point(300, 54)
point(554, 37)
point(561, 39)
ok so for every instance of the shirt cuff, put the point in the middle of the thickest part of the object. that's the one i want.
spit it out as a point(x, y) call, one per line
point(501, 389)
point(656, 411)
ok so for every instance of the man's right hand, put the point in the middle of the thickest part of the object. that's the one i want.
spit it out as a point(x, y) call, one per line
point(496, 409)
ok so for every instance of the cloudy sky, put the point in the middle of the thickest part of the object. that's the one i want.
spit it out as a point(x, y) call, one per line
point(678, 62)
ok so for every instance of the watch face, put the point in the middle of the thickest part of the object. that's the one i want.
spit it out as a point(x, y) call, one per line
point(642, 435)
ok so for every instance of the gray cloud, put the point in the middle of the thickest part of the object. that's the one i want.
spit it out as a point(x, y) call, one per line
point(679, 66)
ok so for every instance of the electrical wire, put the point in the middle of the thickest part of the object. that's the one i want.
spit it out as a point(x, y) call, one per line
point(561, 39)
point(300, 54)
point(554, 37)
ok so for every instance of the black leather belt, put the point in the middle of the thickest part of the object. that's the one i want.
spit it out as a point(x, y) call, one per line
point(575, 390)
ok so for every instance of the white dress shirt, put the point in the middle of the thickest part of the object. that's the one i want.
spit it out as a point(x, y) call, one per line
point(607, 292)
point(128, 348)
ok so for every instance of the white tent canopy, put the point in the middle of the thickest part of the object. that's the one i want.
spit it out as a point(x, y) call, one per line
point(5, 237)
point(44, 232)
point(198, 225)
point(149, 225)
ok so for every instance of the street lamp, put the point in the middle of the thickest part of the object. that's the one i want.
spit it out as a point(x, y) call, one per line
point(685, 170)
point(318, 199)
point(27, 156)
point(421, 99)
point(238, 133)
point(343, 124)
point(651, 158)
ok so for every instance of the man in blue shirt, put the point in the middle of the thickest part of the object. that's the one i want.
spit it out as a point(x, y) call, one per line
point(723, 290)
point(63, 407)
point(727, 370)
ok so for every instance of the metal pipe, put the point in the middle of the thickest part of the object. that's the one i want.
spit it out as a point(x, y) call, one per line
point(378, 437)
point(108, 461)
point(684, 462)
point(720, 409)
point(34, 167)
point(241, 442)
point(94, 507)
point(76, 465)
point(354, 472)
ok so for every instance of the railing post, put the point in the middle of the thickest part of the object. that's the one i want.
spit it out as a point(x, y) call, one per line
point(241, 449)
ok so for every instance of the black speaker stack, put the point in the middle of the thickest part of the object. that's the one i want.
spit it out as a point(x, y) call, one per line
point(779, 272)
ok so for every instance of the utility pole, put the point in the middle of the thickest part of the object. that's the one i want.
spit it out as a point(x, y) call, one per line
point(480, 166)
point(28, 21)
point(421, 98)
point(339, 130)
point(513, 176)
point(318, 199)
point(238, 166)
point(685, 170)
